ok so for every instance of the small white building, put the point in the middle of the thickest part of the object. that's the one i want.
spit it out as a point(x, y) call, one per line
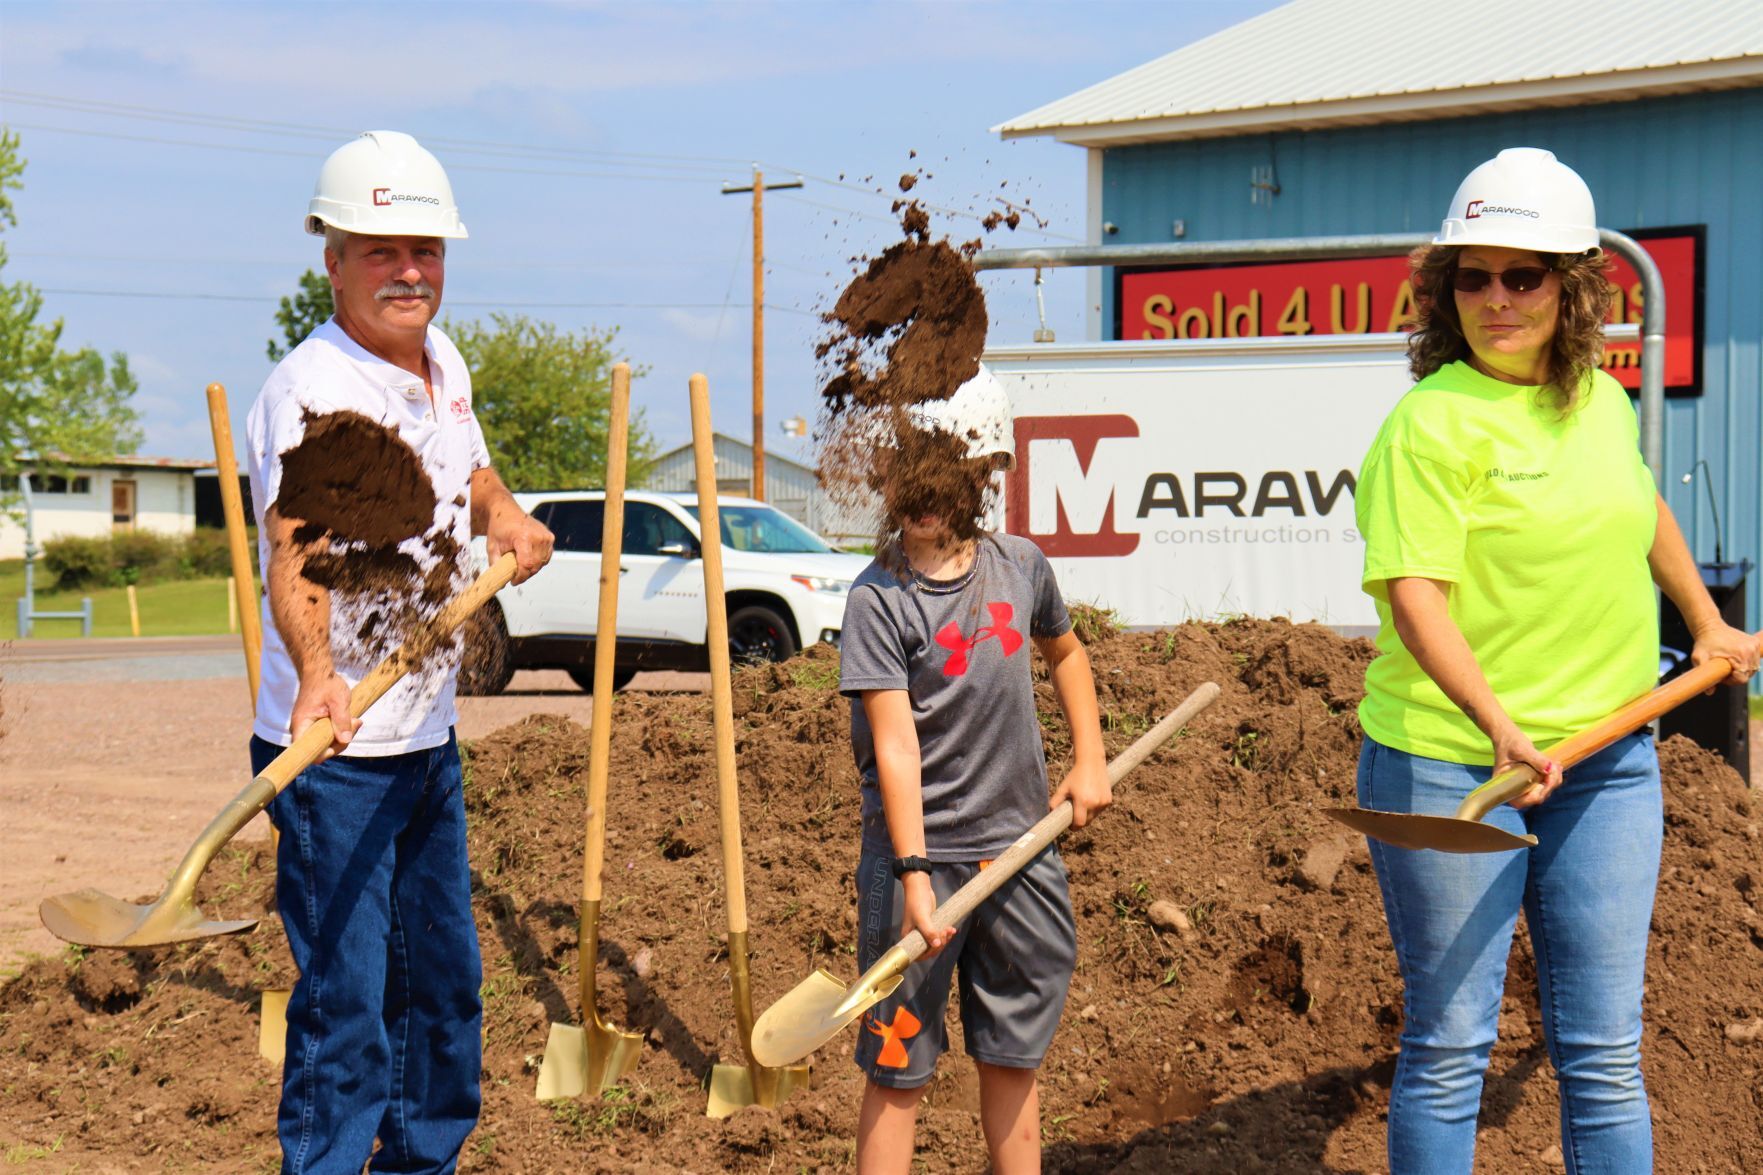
point(101, 497)
point(790, 486)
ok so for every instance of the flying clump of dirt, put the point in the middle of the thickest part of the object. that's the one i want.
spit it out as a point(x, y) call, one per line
point(906, 332)
point(362, 500)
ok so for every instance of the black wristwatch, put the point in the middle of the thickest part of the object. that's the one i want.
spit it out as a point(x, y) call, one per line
point(905, 865)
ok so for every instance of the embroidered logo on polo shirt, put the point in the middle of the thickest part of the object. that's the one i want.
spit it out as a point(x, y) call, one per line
point(960, 646)
point(461, 408)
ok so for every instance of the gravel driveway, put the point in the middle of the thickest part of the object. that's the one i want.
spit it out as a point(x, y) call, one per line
point(115, 753)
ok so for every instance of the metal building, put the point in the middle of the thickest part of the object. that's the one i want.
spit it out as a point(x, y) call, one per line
point(789, 485)
point(1328, 117)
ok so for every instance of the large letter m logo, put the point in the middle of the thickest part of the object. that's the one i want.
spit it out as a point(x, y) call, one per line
point(1061, 493)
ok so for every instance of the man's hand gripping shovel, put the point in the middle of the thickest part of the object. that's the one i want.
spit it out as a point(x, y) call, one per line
point(820, 1007)
point(94, 919)
point(1464, 832)
point(586, 1058)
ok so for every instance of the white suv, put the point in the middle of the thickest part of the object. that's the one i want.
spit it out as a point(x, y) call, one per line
point(785, 586)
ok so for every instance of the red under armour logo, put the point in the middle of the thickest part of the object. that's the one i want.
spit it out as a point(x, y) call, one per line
point(959, 646)
point(894, 1036)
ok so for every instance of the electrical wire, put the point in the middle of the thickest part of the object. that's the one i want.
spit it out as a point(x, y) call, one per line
point(188, 295)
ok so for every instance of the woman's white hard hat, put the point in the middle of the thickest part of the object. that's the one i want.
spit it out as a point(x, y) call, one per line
point(978, 411)
point(384, 184)
point(1522, 198)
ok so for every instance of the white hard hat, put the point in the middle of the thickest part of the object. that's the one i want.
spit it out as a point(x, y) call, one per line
point(1522, 198)
point(386, 185)
point(979, 411)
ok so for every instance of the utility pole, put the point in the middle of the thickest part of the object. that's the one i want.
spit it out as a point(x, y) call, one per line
point(758, 188)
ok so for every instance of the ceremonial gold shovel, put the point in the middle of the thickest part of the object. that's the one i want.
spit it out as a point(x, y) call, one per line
point(94, 919)
point(820, 1007)
point(751, 1084)
point(588, 1057)
point(1465, 832)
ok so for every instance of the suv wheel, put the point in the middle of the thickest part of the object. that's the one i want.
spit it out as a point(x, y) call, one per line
point(584, 677)
point(756, 633)
point(486, 665)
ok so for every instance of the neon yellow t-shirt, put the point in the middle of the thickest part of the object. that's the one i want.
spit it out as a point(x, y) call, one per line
point(1541, 526)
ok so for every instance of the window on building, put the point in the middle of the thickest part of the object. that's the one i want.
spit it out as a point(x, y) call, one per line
point(52, 483)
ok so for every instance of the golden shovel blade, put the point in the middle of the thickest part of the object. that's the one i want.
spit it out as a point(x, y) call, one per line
point(583, 1059)
point(1447, 834)
point(816, 1010)
point(735, 1087)
point(92, 919)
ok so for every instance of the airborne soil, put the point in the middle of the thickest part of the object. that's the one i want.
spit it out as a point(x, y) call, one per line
point(1235, 1009)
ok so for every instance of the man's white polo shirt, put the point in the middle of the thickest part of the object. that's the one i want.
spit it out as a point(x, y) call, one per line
point(330, 372)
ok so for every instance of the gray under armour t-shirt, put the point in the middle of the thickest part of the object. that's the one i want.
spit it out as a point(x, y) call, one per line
point(960, 649)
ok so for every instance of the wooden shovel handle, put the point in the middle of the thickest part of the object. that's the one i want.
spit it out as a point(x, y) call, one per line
point(1509, 785)
point(728, 795)
point(306, 749)
point(986, 882)
point(606, 632)
point(232, 506)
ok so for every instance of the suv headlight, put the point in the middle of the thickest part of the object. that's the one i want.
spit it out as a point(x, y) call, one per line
point(822, 583)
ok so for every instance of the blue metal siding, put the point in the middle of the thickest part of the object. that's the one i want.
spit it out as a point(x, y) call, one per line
point(1688, 159)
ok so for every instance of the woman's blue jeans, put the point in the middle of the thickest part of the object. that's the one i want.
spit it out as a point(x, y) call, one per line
point(385, 1025)
point(1587, 892)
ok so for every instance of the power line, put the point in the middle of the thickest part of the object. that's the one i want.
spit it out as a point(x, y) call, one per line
point(605, 156)
point(475, 304)
point(229, 147)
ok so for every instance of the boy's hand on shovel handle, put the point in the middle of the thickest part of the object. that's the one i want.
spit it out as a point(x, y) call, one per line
point(1512, 749)
point(919, 906)
point(1086, 786)
point(323, 695)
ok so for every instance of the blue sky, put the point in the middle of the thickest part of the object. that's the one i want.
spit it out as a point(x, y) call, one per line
point(601, 133)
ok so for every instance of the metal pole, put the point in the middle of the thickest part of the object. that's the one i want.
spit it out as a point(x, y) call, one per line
point(30, 556)
point(1652, 348)
point(1652, 409)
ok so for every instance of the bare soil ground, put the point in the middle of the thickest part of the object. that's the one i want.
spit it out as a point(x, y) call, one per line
point(1258, 1038)
point(112, 779)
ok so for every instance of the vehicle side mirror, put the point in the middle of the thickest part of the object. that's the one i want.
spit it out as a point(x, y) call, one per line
point(677, 550)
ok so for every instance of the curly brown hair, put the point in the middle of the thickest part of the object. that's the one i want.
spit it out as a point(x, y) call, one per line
point(1576, 350)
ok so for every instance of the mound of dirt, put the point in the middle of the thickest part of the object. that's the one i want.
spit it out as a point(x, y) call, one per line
point(1235, 1009)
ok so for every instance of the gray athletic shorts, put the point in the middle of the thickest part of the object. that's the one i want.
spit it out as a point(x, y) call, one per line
point(1013, 956)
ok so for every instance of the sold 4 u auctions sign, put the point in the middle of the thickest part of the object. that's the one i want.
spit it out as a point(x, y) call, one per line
point(1371, 295)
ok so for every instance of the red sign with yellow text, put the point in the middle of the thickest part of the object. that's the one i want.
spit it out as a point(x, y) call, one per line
point(1371, 294)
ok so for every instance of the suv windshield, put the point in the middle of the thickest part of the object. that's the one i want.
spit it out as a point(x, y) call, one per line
point(760, 528)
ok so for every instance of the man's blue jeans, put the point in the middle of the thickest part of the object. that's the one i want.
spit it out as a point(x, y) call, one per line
point(1587, 892)
point(385, 1024)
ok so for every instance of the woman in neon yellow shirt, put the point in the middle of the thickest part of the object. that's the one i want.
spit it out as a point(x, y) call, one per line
point(1513, 537)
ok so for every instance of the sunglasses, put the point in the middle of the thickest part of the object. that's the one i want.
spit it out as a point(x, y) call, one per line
point(1520, 279)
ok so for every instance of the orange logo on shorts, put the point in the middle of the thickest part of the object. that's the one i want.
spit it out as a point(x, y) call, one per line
point(894, 1036)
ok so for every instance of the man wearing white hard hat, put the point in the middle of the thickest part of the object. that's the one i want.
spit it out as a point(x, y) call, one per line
point(1513, 539)
point(384, 1025)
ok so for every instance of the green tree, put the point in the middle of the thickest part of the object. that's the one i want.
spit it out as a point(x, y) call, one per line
point(56, 407)
point(300, 315)
point(543, 397)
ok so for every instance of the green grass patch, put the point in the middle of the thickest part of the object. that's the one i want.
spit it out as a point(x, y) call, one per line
point(1756, 707)
point(185, 607)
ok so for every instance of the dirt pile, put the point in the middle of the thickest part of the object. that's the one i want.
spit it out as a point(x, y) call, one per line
point(1235, 1008)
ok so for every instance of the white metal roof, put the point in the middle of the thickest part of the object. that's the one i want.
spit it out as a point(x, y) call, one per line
point(1317, 63)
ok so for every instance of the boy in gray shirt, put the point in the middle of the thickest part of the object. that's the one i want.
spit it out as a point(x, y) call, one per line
point(935, 655)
